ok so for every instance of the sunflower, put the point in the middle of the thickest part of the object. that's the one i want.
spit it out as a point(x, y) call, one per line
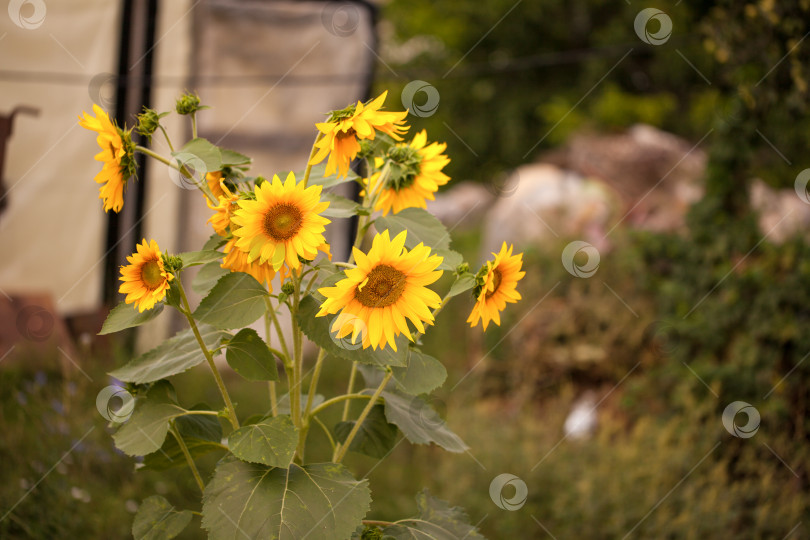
point(345, 128)
point(145, 278)
point(236, 260)
point(117, 154)
point(415, 175)
point(388, 285)
point(213, 180)
point(282, 224)
point(227, 205)
point(500, 279)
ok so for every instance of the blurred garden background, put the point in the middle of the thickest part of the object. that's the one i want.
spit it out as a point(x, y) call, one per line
point(669, 139)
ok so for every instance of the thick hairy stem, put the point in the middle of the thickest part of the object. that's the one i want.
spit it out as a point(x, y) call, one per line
point(220, 383)
point(341, 452)
point(189, 459)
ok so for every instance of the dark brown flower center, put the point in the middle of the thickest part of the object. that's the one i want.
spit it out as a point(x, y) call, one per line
point(346, 134)
point(283, 221)
point(496, 278)
point(150, 275)
point(384, 287)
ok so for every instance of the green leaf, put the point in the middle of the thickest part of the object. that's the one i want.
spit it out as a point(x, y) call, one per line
point(419, 422)
point(316, 177)
point(375, 438)
point(236, 301)
point(422, 226)
point(436, 520)
point(248, 355)
point(317, 329)
point(203, 150)
point(158, 520)
point(231, 158)
point(207, 277)
point(214, 242)
point(200, 426)
point(464, 282)
point(192, 258)
point(171, 357)
point(170, 455)
point(450, 259)
point(319, 501)
point(422, 375)
point(339, 207)
point(271, 442)
point(283, 406)
point(126, 315)
point(146, 429)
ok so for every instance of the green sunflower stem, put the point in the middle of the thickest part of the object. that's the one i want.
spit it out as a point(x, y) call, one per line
point(166, 136)
point(295, 381)
point(271, 385)
point(340, 453)
point(312, 153)
point(193, 125)
point(156, 156)
point(349, 391)
point(189, 459)
point(220, 383)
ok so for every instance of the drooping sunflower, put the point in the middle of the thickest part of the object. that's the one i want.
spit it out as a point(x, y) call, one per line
point(236, 260)
point(283, 223)
point(145, 280)
point(213, 180)
point(227, 205)
point(345, 128)
point(388, 286)
point(500, 278)
point(117, 154)
point(415, 175)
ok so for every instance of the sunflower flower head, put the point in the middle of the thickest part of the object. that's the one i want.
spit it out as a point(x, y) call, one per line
point(282, 224)
point(236, 260)
point(214, 179)
point(117, 154)
point(342, 132)
point(227, 205)
point(146, 279)
point(388, 286)
point(414, 175)
point(497, 285)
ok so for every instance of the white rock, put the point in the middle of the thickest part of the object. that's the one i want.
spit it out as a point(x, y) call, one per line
point(543, 204)
point(781, 212)
point(581, 422)
point(462, 206)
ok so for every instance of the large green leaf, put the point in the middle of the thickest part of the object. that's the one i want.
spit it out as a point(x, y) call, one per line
point(422, 226)
point(207, 277)
point(450, 259)
point(339, 207)
point(419, 422)
point(317, 329)
point(319, 501)
point(316, 177)
point(236, 301)
point(270, 442)
point(170, 455)
point(171, 357)
point(283, 406)
point(200, 426)
point(375, 438)
point(248, 355)
point(193, 258)
point(146, 429)
point(422, 375)
point(436, 520)
point(231, 158)
point(203, 150)
point(125, 316)
point(158, 520)
point(463, 283)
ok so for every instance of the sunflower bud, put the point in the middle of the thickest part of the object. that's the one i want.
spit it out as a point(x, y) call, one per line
point(188, 104)
point(172, 263)
point(288, 288)
point(148, 122)
point(463, 268)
